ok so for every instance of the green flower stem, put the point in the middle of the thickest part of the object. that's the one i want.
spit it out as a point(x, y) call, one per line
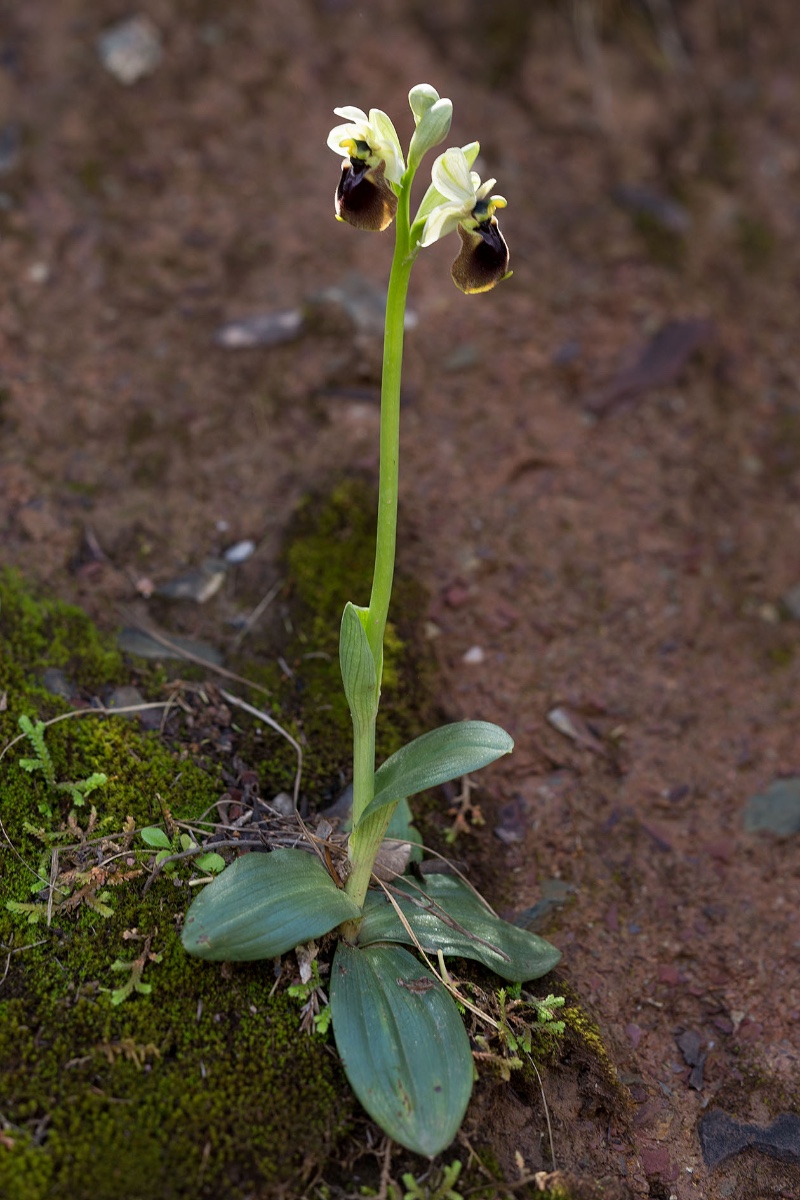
point(366, 837)
point(363, 775)
point(365, 842)
point(390, 431)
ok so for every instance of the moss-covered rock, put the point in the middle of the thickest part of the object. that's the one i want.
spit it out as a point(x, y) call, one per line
point(197, 1084)
point(198, 1081)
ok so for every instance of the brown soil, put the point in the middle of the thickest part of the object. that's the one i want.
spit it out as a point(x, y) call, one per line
point(618, 552)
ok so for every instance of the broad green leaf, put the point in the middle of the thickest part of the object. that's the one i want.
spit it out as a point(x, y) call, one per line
point(263, 905)
point(403, 1045)
point(512, 953)
point(357, 663)
point(436, 757)
point(153, 836)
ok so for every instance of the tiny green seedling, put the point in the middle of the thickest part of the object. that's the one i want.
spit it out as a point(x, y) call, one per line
point(397, 1024)
point(183, 844)
point(135, 970)
point(522, 1026)
point(316, 1011)
point(78, 791)
point(546, 1013)
point(440, 1187)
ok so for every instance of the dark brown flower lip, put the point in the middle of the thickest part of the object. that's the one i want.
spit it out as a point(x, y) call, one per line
point(364, 198)
point(483, 260)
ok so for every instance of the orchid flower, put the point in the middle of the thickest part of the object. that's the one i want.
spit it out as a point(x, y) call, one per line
point(367, 193)
point(458, 200)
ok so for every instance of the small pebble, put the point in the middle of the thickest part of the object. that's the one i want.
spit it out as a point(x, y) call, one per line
point(239, 553)
point(463, 358)
point(145, 586)
point(135, 641)
point(474, 656)
point(634, 1033)
point(362, 301)
point(514, 821)
point(656, 1161)
point(198, 585)
point(283, 804)
point(342, 806)
point(573, 726)
point(791, 602)
point(131, 49)
point(10, 144)
point(125, 697)
point(555, 894)
point(776, 810)
point(456, 595)
point(56, 682)
point(261, 329)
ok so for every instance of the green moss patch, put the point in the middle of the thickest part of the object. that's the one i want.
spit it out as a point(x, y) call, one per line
point(327, 561)
point(200, 1086)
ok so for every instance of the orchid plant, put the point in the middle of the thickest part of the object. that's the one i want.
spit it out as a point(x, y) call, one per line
point(397, 1028)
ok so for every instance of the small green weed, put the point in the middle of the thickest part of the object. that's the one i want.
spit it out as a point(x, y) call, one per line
point(77, 791)
point(135, 971)
point(441, 1185)
point(316, 1011)
point(168, 849)
point(524, 1026)
point(63, 878)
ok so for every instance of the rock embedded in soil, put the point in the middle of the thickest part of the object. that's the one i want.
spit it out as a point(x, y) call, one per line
point(57, 682)
point(239, 552)
point(261, 329)
point(777, 810)
point(141, 644)
point(198, 584)
point(555, 894)
point(722, 1135)
point(791, 602)
point(10, 146)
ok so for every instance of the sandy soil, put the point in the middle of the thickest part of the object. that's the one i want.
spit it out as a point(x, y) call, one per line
point(615, 546)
